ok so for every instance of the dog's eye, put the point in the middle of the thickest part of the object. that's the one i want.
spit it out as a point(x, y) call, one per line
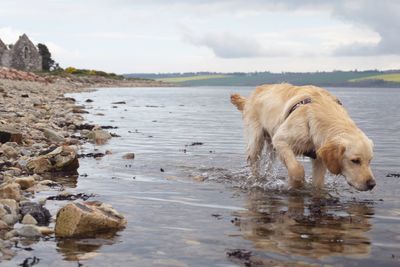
point(356, 161)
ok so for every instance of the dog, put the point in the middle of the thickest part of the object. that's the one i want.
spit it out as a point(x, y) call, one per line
point(305, 121)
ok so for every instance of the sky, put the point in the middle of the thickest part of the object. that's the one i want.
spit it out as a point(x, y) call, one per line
point(159, 36)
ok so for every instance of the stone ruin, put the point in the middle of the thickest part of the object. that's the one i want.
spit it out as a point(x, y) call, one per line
point(23, 55)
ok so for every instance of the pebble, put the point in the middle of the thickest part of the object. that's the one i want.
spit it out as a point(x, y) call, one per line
point(129, 156)
point(29, 219)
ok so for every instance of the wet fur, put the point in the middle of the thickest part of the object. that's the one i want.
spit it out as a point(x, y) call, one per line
point(323, 126)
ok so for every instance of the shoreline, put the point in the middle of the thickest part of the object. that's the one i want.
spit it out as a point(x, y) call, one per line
point(41, 133)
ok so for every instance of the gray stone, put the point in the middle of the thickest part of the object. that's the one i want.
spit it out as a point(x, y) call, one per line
point(99, 136)
point(37, 211)
point(53, 135)
point(11, 234)
point(29, 231)
point(10, 219)
point(9, 151)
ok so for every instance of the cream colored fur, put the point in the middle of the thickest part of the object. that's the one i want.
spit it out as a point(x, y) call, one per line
point(323, 126)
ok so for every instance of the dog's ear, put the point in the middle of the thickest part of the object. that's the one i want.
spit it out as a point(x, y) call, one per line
point(332, 154)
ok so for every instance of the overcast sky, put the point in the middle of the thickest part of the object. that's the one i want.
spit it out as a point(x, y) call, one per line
point(203, 35)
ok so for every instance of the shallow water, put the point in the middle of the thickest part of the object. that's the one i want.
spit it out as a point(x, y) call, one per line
point(175, 220)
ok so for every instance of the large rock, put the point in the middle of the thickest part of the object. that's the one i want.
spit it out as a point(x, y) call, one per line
point(61, 159)
point(11, 191)
point(86, 219)
point(99, 136)
point(37, 211)
point(10, 134)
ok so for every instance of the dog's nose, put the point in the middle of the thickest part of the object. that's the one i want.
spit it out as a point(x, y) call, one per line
point(371, 184)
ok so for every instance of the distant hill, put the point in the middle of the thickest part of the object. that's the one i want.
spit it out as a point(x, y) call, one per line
point(370, 78)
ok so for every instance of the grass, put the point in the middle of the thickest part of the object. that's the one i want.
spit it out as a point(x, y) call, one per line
point(192, 78)
point(392, 77)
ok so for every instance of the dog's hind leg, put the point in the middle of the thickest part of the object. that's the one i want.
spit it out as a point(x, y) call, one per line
point(270, 152)
point(255, 145)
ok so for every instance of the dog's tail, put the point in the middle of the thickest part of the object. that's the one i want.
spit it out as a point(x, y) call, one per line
point(239, 101)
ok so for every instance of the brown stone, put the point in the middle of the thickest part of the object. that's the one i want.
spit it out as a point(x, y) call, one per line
point(62, 159)
point(3, 225)
point(25, 182)
point(129, 156)
point(10, 191)
point(39, 165)
point(86, 219)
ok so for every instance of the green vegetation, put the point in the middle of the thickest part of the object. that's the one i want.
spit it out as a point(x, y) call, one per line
point(85, 72)
point(47, 62)
point(370, 78)
point(191, 78)
point(392, 77)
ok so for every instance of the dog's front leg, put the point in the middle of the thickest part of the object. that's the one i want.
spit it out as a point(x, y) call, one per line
point(295, 169)
point(318, 172)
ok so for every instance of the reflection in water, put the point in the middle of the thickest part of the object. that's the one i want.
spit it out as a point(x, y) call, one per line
point(306, 225)
point(66, 180)
point(75, 249)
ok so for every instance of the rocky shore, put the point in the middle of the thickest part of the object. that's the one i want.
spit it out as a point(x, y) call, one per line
point(41, 132)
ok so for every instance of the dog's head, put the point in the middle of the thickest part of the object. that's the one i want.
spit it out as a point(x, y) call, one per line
point(351, 157)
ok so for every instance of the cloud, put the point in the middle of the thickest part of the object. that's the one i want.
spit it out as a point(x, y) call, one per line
point(382, 18)
point(109, 35)
point(9, 35)
point(229, 45)
point(61, 54)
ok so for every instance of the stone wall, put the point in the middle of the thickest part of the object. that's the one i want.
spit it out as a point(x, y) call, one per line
point(22, 56)
point(5, 59)
point(3, 48)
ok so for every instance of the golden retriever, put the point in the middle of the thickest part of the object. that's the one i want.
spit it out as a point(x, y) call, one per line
point(305, 121)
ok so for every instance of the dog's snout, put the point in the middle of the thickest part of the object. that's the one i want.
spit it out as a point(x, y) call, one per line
point(371, 184)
